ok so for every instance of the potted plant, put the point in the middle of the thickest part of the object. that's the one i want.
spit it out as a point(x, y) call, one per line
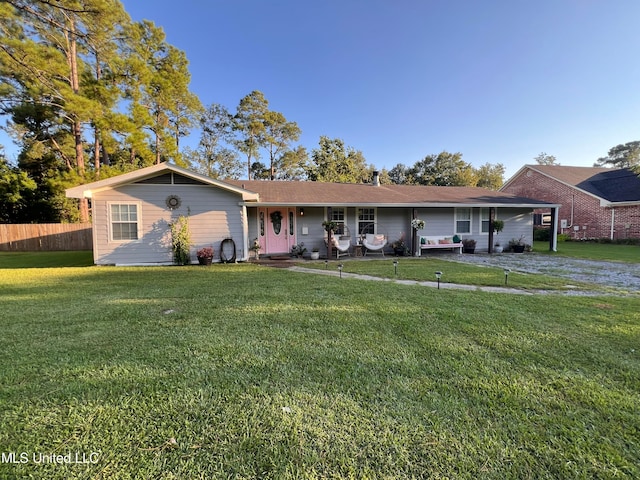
point(400, 247)
point(256, 247)
point(417, 224)
point(498, 226)
point(315, 253)
point(330, 226)
point(517, 246)
point(298, 250)
point(468, 245)
point(205, 255)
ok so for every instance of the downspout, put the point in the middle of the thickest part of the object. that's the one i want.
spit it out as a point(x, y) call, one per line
point(573, 200)
point(613, 221)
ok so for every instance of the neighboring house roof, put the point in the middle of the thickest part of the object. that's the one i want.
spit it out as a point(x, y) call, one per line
point(319, 193)
point(138, 176)
point(610, 185)
point(620, 185)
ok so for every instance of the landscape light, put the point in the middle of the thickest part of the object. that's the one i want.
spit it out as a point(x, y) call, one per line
point(438, 275)
point(340, 266)
point(326, 264)
point(395, 266)
point(506, 275)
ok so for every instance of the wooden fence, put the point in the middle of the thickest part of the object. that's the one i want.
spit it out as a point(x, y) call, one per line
point(45, 237)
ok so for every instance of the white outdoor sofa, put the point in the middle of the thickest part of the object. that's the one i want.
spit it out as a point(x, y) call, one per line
point(428, 242)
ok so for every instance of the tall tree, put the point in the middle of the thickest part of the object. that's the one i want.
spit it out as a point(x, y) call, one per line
point(278, 135)
point(15, 189)
point(444, 169)
point(622, 156)
point(490, 176)
point(213, 157)
point(43, 44)
point(543, 159)
point(64, 67)
point(160, 101)
point(332, 161)
point(401, 175)
point(249, 122)
point(291, 164)
point(104, 40)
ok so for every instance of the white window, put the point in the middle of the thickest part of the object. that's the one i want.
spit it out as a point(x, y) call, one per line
point(484, 220)
point(338, 215)
point(366, 220)
point(124, 220)
point(463, 220)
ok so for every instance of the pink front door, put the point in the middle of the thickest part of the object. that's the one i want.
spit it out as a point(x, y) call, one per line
point(280, 231)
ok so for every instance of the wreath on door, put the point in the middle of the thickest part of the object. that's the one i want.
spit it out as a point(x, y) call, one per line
point(276, 219)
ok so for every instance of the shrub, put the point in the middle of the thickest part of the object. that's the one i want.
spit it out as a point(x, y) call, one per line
point(181, 241)
point(541, 234)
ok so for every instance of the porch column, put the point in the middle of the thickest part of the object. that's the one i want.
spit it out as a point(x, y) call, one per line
point(245, 233)
point(415, 246)
point(329, 234)
point(492, 217)
point(553, 234)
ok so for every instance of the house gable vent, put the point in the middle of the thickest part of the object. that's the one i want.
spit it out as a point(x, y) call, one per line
point(170, 178)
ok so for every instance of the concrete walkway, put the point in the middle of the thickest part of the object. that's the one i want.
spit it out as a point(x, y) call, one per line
point(443, 285)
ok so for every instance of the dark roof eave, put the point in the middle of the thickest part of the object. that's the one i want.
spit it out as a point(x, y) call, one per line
point(404, 205)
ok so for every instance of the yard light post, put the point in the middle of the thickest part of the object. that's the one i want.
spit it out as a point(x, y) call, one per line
point(506, 275)
point(326, 264)
point(395, 266)
point(438, 275)
point(340, 266)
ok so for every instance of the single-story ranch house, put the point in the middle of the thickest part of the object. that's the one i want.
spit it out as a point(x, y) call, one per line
point(132, 214)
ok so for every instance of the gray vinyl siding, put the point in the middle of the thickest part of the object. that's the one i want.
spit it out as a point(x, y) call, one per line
point(214, 214)
point(517, 222)
point(395, 222)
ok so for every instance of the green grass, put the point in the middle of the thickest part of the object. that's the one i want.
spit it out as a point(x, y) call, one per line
point(423, 269)
point(83, 258)
point(593, 251)
point(241, 371)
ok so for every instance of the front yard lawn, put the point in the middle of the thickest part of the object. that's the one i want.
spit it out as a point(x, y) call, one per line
point(593, 251)
point(242, 371)
point(423, 269)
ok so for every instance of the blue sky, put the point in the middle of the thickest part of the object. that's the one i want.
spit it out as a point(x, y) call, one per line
point(498, 80)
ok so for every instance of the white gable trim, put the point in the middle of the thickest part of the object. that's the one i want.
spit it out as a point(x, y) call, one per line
point(89, 189)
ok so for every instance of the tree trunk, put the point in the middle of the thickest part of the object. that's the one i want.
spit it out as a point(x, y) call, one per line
point(84, 210)
point(72, 58)
point(96, 151)
point(96, 130)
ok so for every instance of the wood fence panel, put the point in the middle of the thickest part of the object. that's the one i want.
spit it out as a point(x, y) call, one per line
point(35, 237)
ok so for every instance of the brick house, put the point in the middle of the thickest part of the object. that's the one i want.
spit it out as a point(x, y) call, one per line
point(594, 202)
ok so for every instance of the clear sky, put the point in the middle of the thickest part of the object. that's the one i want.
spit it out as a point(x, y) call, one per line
point(497, 80)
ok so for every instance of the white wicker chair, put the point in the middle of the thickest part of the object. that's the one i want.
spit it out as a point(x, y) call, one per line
point(373, 242)
point(341, 241)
